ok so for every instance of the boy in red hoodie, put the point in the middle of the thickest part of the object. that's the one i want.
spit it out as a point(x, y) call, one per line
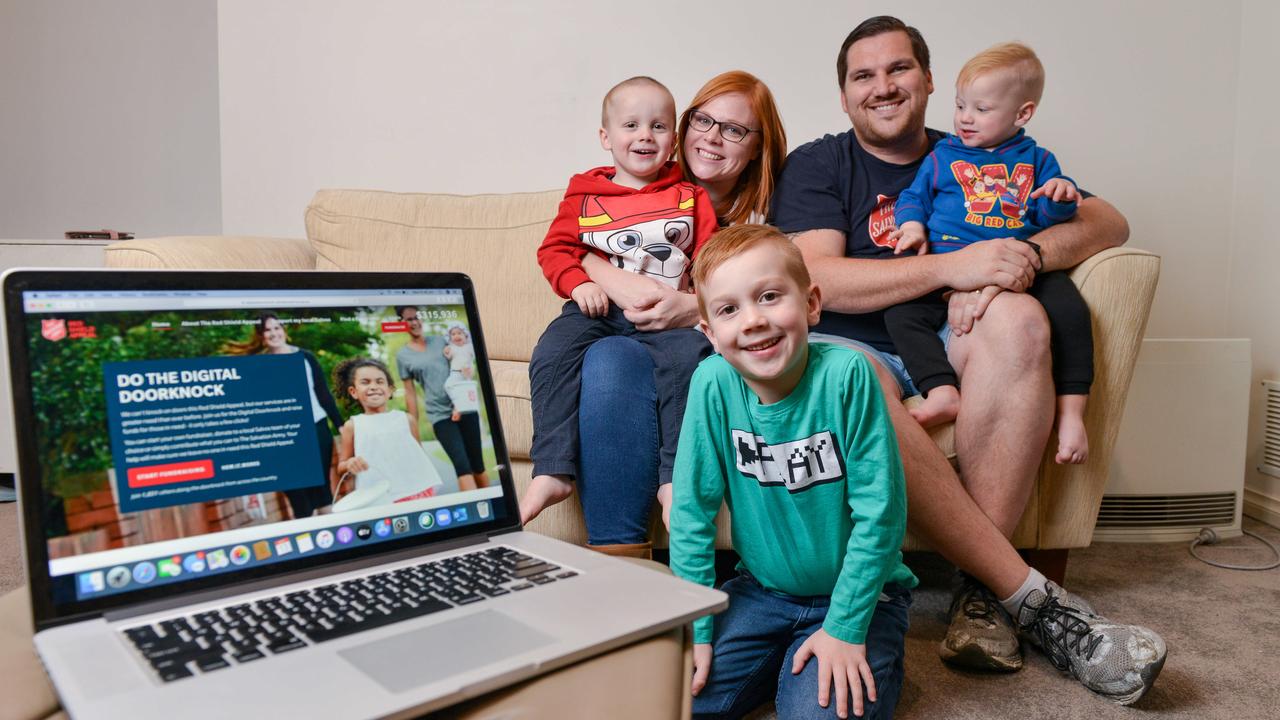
point(643, 217)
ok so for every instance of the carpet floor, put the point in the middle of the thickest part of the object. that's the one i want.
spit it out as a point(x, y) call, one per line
point(1222, 628)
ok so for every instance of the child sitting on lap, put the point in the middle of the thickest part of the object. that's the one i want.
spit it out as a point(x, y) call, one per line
point(990, 180)
point(796, 439)
point(643, 217)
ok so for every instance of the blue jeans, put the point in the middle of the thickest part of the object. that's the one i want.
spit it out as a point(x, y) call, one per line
point(756, 640)
point(889, 361)
point(618, 424)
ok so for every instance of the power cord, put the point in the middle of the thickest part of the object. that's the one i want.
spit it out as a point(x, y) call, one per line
point(1209, 537)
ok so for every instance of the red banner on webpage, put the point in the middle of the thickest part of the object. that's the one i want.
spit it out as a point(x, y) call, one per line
point(170, 473)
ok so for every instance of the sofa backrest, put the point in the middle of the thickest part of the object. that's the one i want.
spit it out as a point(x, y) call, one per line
point(492, 238)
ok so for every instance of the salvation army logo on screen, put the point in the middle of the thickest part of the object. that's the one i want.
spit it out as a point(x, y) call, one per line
point(54, 329)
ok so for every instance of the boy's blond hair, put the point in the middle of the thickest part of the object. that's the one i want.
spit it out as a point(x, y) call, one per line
point(632, 82)
point(1014, 58)
point(734, 241)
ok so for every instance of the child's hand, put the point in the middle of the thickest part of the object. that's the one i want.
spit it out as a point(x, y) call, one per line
point(448, 352)
point(843, 662)
point(591, 299)
point(356, 465)
point(701, 666)
point(466, 373)
point(456, 416)
point(910, 236)
point(1059, 190)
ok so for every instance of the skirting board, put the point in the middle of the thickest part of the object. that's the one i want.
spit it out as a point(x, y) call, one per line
point(1262, 508)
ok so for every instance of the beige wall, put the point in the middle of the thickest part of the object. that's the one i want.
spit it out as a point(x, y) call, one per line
point(1253, 245)
point(1165, 109)
point(500, 96)
point(108, 117)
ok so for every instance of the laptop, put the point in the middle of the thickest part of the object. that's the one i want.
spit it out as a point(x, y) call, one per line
point(187, 552)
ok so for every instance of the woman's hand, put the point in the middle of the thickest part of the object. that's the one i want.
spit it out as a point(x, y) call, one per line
point(662, 308)
point(456, 416)
point(355, 465)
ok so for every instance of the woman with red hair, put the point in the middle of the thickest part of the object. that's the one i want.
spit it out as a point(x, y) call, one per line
point(731, 142)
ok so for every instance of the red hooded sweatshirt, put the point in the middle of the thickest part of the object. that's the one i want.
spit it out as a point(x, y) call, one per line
point(654, 231)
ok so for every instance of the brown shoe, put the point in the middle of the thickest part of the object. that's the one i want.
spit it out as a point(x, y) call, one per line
point(644, 551)
point(981, 635)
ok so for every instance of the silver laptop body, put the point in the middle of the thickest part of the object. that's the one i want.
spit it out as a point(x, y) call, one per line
point(161, 454)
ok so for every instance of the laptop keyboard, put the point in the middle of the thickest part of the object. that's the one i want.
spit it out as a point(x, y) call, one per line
point(212, 640)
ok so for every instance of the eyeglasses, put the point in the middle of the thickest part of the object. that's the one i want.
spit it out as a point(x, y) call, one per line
point(733, 132)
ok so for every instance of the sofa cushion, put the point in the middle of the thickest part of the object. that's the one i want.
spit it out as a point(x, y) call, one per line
point(492, 238)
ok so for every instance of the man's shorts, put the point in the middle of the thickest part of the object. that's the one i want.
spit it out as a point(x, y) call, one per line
point(889, 361)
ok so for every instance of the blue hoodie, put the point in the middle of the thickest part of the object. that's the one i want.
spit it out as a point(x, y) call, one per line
point(964, 194)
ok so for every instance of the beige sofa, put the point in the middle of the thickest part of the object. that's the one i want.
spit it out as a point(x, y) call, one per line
point(493, 238)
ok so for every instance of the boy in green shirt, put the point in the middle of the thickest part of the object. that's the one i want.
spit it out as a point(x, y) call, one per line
point(796, 440)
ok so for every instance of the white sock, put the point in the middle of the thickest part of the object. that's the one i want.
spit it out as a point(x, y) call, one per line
point(1034, 581)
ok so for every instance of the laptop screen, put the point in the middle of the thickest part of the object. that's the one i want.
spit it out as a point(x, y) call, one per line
point(186, 438)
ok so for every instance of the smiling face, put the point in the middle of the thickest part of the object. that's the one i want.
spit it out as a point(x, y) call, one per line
point(640, 132)
point(457, 336)
point(371, 388)
point(414, 323)
point(758, 318)
point(714, 162)
point(885, 92)
point(990, 110)
point(273, 336)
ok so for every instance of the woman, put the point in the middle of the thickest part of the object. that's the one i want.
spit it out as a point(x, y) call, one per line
point(422, 362)
point(270, 338)
point(732, 144)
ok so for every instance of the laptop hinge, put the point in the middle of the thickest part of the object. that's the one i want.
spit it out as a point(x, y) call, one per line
point(254, 586)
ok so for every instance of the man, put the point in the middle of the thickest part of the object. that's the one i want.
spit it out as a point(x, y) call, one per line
point(835, 197)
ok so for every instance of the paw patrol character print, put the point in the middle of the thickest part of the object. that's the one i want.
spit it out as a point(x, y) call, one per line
point(652, 238)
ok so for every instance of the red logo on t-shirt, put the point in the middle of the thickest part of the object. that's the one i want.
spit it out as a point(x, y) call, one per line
point(880, 222)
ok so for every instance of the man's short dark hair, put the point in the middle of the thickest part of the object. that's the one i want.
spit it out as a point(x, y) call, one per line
point(880, 25)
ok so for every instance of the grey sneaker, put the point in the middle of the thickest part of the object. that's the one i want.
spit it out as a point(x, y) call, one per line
point(981, 634)
point(1119, 662)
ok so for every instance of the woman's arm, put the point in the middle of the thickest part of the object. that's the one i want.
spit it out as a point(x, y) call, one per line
point(322, 392)
point(411, 405)
point(649, 304)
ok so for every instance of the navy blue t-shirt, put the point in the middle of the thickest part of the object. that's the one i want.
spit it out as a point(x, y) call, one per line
point(834, 184)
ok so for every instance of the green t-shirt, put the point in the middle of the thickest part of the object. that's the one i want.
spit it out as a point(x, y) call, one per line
point(814, 483)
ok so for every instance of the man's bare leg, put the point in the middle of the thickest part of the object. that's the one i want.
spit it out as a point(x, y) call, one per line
point(1006, 406)
point(941, 512)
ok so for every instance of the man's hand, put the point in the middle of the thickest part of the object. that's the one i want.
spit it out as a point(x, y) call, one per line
point(1059, 190)
point(910, 236)
point(1008, 263)
point(966, 308)
point(591, 299)
point(701, 666)
point(663, 307)
point(838, 661)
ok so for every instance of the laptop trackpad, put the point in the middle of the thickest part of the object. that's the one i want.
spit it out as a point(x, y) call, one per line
point(427, 655)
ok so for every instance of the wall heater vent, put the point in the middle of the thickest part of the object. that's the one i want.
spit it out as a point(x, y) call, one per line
point(1270, 428)
point(1167, 511)
point(1182, 450)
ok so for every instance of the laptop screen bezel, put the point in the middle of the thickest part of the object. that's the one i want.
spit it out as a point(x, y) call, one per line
point(30, 480)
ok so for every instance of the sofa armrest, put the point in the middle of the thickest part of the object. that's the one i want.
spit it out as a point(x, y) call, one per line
point(1118, 285)
point(212, 252)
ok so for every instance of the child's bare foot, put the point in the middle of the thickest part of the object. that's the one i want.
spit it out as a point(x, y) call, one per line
point(664, 499)
point(1073, 441)
point(543, 492)
point(942, 406)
